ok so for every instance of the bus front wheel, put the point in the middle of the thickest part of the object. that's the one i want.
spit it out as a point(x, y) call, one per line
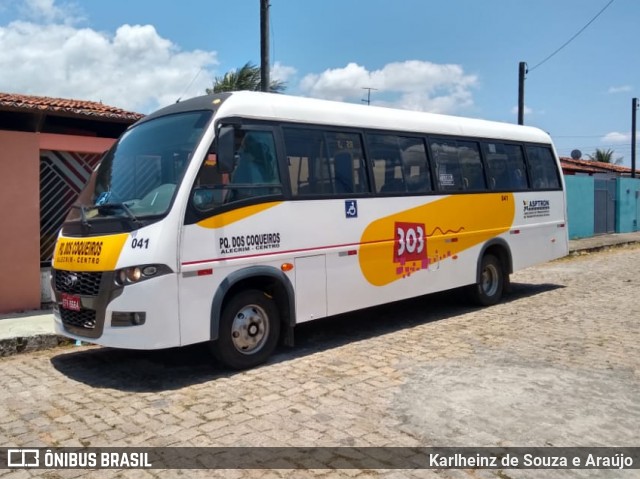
point(249, 330)
point(488, 290)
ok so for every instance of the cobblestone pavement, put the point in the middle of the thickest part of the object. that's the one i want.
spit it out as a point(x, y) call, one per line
point(558, 363)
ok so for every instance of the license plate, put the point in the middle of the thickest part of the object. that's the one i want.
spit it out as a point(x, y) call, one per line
point(71, 301)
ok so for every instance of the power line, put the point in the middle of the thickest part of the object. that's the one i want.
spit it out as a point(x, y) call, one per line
point(617, 146)
point(580, 136)
point(573, 37)
point(189, 85)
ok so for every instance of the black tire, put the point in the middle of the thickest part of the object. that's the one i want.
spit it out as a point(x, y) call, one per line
point(249, 330)
point(491, 282)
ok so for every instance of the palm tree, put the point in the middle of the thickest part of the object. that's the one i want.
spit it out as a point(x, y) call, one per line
point(605, 156)
point(245, 78)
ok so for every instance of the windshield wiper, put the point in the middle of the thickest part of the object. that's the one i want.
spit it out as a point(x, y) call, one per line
point(123, 207)
point(83, 215)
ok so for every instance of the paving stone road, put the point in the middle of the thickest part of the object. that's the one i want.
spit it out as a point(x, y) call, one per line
point(556, 364)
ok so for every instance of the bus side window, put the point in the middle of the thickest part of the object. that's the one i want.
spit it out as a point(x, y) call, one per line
point(394, 178)
point(324, 163)
point(506, 169)
point(498, 172)
point(471, 166)
point(517, 167)
point(543, 168)
point(343, 165)
point(256, 169)
point(416, 166)
point(306, 155)
point(348, 172)
point(385, 155)
point(400, 164)
point(448, 175)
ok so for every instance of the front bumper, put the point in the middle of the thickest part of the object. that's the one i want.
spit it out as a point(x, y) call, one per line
point(100, 297)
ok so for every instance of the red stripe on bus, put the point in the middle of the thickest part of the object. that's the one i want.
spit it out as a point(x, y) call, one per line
point(272, 253)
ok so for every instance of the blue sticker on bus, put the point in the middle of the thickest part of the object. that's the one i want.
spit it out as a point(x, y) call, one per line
point(351, 208)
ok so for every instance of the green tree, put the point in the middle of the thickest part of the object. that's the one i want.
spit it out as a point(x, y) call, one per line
point(605, 156)
point(245, 78)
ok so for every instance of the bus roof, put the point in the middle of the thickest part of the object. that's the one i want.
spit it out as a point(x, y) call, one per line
point(287, 108)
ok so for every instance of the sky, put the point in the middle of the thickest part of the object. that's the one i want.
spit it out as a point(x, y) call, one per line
point(457, 57)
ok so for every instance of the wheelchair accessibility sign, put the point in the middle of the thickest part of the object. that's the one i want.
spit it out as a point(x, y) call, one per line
point(351, 208)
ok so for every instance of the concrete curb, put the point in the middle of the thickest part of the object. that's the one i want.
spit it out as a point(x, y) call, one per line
point(29, 331)
point(602, 247)
point(28, 344)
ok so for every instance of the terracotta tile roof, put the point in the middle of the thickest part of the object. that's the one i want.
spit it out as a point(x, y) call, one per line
point(15, 102)
point(593, 166)
point(569, 164)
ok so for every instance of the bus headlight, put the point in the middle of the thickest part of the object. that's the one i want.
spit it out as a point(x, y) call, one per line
point(135, 274)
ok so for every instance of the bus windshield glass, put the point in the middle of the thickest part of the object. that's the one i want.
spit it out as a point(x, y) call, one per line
point(138, 177)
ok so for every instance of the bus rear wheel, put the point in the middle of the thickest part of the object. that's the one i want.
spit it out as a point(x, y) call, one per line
point(249, 330)
point(491, 282)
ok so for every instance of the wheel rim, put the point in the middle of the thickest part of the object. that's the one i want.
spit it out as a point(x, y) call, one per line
point(490, 280)
point(250, 329)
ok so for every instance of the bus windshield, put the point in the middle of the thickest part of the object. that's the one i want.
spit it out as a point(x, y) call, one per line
point(138, 177)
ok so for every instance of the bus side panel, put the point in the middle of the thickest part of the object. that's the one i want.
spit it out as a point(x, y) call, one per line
point(200, 276)
point(424, 245)
point(216, 247)
point(311, 287)
point(394, 248)
point(540, 230)
point(348, 289)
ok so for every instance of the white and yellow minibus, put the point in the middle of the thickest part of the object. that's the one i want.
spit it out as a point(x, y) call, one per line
point(234, 217)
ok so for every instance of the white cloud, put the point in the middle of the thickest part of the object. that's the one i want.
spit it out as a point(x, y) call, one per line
point(282, 72)
point(619, 89)
point(135, 68)
point(48, 11)
point(616, 137)
point(42, 10)
point(413, 85)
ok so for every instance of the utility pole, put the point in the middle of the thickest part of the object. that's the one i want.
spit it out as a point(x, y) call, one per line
point(264, 45)
point(634, 109)
point(522, 70)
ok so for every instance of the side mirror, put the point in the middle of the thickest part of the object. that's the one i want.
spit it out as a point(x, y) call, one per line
point(205, 198)
point(225, 147)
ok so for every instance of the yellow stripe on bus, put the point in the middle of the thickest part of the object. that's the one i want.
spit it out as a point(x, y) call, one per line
point(97, 253)
point(398, 245)
point(225, 219)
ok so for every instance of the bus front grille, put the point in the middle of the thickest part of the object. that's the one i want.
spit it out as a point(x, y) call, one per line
point(84, 319)
point(77, 282)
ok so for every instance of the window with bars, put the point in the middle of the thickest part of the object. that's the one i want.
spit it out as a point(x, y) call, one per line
point(62, 177)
